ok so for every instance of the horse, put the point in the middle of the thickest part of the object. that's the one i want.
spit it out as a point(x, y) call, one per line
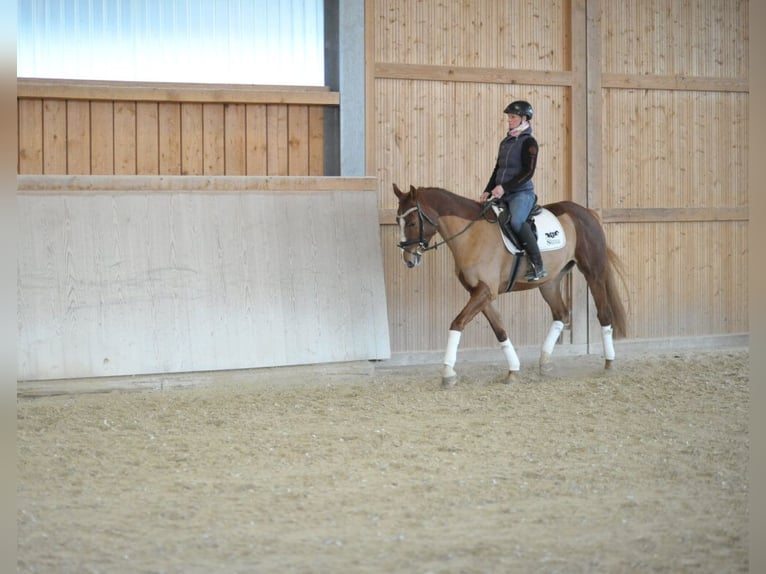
point(485, 267)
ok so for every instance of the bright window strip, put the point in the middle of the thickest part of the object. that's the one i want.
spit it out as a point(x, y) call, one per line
point(197, 41)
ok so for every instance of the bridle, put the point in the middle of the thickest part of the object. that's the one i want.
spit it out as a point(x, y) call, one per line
point(421, 241)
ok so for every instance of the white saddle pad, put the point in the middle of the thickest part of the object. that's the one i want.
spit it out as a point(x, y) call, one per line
point(550, 233)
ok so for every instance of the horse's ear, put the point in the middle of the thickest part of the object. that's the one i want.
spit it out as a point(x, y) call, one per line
point(398, 191)
point(412, 189)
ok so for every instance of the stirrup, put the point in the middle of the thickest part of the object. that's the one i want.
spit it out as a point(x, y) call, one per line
point(535, 274)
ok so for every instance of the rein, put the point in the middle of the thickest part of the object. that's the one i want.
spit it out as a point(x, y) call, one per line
point(422, 242)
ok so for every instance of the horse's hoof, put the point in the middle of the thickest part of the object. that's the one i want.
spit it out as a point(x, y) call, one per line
point(546, 366)
point(511, 377)
point(449, 382)
point(608, 363)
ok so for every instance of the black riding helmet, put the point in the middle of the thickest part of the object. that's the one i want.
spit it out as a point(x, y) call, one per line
point(520, 108)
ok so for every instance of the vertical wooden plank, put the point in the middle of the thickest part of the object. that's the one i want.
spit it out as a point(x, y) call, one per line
point(234, 139)
point(192, 158)
point(594, 107)
point(276, 130)
point(213, 139)
point(298, 140)
point(316, 140)
point(577, 34)
point(170, 138)
point(147, 138)
point(257, 160)
point(125, 138)
point(54, 137)
point(102, 138)
point(78, 137)
point(30, 136)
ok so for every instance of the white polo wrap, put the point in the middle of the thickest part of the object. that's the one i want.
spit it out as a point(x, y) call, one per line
point(553, 336)
point(450, 355)
point(606, 337)
point(510, 355)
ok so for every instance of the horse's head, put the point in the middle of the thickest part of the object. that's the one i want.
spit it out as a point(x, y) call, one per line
point(417, 228)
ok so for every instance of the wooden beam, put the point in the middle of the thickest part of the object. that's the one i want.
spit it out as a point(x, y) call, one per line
point(169, 92)
point(641, 215)
point(581, 331)
point(75, 184)
point(677, 82)
point(465, 74)
point(674, 214)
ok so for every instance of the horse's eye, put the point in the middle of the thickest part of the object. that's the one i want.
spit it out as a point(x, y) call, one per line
point(410, 224)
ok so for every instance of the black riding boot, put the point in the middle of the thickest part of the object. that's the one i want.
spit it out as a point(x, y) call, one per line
point(536, 269)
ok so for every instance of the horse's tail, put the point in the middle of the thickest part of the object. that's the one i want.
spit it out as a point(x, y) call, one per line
point(600, 265)
point(615, 267)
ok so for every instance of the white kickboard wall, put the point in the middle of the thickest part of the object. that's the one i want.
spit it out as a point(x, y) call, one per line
point(131, 283)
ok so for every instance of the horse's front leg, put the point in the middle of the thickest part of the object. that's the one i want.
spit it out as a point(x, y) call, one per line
point(493, 316)
point(480, 297)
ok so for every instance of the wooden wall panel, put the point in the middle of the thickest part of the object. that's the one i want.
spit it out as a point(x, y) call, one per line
point(102, 138)
point(78, 137)
point(316, 140)
point(169, 117)
point(103, 128)
point(192, 156)
point(54, 136)
point(298, 140)
point(30, 136)
point(257, 142)
point(213, 139)
point(235, 147)
point(277, 138)
point(674, 149)
point(674, 169)
point(147, 138)
point(520, 35)
point(705, 38)
point(685, 279)
point(125, 141)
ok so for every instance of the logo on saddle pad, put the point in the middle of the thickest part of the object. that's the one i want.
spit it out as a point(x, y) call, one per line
point(550, 234)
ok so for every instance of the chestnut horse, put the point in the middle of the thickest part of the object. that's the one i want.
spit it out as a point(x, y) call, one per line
point(484, 267)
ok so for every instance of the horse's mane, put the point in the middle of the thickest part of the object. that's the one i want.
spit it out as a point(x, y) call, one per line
point(449, 203)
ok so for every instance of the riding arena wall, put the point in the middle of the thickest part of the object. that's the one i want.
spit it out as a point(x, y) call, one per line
point(641, 111)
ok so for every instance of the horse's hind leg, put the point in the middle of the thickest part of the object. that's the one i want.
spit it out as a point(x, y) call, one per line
point(604, 314)
point(596, 274)
point(551, 292)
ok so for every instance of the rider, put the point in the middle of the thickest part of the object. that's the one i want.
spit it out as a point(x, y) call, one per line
point(511, 181)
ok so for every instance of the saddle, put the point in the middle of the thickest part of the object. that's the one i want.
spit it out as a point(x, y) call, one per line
point(545, 226)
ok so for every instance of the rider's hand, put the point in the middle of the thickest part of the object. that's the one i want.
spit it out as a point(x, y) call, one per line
point(497, 192)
